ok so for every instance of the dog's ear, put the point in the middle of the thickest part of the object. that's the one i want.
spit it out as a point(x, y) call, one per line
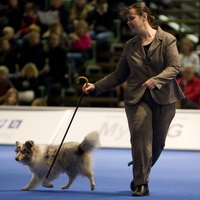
point(29, 144)
point(16, 143)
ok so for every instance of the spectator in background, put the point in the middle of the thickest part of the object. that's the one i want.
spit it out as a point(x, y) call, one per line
point(27, 84)
point(11, 98)
point(31, 28)
point(81, 44)
point(54, 71)
point(57, 5)
point(190, 85)
point(79, 11)
point(5, 83)
point(7, 55)
point(101, 21)
point(39, 102)
point(188, 55)
point(14, 13)
point(30, 17)
point(58, 29)
point(9, 33)
point(32, 51)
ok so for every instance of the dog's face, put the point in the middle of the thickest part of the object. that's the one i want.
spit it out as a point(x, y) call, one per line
point(24, 152)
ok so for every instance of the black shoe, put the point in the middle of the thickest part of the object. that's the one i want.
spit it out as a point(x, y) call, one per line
point(132, 186)
point(130, 163)
point(141, 190)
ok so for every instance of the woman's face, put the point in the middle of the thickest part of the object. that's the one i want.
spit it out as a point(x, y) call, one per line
point(81, 31)
point(185, 47)
point(14, 3)
point(188, 74)
point(57, 29)
point(54, 41)
point(34, 40)
point(29, 72)
point(5, 45)
point(12, 99)
point(80, 3)
point(135, 21)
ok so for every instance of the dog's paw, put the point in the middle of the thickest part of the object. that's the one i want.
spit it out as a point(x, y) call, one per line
point(92, 187)
point(65, 187)
point(48, 185)
point(25, 189)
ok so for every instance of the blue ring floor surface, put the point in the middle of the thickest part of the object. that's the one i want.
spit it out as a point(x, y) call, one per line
point(176, 176)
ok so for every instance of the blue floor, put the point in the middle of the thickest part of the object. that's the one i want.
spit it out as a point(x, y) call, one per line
point(176, 176)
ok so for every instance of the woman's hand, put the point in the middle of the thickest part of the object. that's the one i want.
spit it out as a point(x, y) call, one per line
point(88, 87)
point(149, 84)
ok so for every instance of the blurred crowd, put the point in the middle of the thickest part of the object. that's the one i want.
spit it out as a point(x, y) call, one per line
point(42, 45)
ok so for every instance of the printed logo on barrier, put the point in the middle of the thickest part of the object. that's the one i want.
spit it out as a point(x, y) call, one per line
point(15, 124)
point(12, 124)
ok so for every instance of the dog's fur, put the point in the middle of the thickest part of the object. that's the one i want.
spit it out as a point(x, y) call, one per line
point(73, 159)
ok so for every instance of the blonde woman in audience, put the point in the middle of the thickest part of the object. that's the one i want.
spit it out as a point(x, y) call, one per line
point(39, 102)
point(11, 98)
point(80, 11)
point(9, 33)
point(28, 83)
point(190, 85)
point(5, 83)
point(188, 55)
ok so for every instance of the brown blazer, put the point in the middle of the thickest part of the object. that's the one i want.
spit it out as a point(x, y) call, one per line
point(160, 65)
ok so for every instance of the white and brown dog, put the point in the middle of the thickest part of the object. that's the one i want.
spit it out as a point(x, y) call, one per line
point(73, 159)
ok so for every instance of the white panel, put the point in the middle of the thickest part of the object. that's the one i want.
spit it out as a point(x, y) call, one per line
point(48, 126)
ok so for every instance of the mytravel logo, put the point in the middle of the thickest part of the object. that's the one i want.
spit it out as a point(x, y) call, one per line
point(10, 124)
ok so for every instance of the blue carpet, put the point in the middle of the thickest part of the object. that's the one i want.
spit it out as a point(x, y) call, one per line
point(176, 176)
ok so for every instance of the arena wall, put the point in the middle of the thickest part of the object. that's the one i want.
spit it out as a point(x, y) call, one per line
point(48, 125)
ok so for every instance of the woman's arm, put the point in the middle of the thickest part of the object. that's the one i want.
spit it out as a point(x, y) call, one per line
point(171, 58)
point(112, 80)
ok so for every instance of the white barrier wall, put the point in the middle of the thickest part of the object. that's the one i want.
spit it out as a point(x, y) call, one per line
point(48, 125)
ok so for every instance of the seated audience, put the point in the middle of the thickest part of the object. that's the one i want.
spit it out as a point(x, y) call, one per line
point(31, 28)
point(54, 70)
point(32, 51)
point(188, 55)
point(58, 29)
point(7, 55)
point(101, 21)
point(39, 102)
point(11, 98)
point(27, 84)
point(190, 85)
point(30, 17)
point(57, 5)
point(79, 11)
point(9, 33)
point(14, 13)
point(5, 83)
point(80, 46)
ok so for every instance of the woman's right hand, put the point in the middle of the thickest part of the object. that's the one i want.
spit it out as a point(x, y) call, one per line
point(88, 88)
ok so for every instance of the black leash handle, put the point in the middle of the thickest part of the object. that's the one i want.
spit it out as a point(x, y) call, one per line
point(79, 102)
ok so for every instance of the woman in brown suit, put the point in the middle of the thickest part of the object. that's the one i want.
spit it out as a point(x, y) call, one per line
point(149, 64)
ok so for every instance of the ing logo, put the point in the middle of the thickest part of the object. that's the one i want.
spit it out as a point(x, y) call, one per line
point(11, 124)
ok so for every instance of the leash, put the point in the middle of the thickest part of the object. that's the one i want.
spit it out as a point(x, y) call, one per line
point(77, 106)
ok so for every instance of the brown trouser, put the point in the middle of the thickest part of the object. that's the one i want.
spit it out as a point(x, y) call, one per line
point(148, 123)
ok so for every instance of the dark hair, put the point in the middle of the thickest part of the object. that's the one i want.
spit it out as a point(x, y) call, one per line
point(140, 9)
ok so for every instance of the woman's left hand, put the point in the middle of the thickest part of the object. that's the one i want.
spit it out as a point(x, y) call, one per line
point(149, 84)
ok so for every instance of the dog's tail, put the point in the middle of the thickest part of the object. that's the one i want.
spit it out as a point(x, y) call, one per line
point(90, 142)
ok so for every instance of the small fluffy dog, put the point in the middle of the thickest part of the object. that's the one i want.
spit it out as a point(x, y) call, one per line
point(73, 159)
